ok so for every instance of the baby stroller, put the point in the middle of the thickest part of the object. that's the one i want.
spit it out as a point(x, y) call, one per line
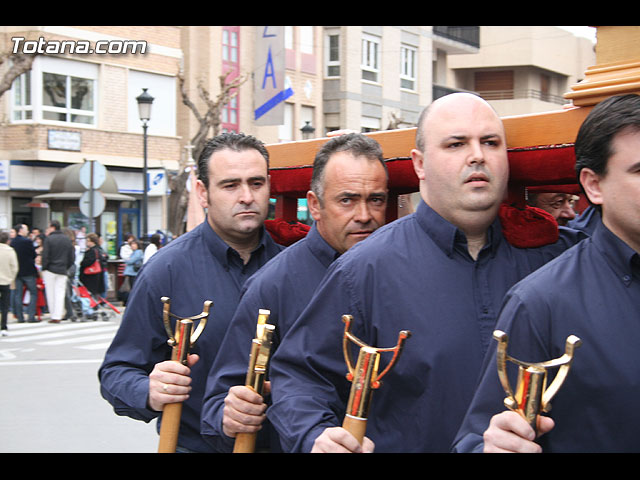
point(89, 306)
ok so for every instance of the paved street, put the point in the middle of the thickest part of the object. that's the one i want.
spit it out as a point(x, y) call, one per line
point(50, 400)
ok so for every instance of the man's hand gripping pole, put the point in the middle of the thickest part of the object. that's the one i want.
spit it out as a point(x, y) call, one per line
point(181, 342)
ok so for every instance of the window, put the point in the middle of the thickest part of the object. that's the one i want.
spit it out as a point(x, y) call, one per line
point(22, 108)
point(408, 57)
point(56, 90)
point(494, 85)
point(332, 55)
point(370, 58)
point(230, 44)
point(230, 62)
point(67, 99)
point(306, 39)
point(230, 116)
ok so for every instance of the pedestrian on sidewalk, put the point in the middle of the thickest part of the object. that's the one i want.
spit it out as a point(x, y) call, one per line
point(27, 273)
point(8, 272)
point(58, 254)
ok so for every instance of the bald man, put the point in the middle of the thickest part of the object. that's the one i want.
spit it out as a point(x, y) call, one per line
point(440, 272)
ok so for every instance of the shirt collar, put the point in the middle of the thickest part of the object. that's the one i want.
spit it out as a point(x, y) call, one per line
point(447, 236)
point(220, 250)
point(324, 252)
point(623, 259)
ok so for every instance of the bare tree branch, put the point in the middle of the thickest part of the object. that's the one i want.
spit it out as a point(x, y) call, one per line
point(208, 125)
point(20, 63)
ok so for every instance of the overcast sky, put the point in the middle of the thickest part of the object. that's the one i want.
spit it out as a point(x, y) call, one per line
point(588, 32)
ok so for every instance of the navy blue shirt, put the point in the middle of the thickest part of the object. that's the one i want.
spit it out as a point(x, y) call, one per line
point(414, 274)
point(283, 286)
point(591, 291)
point(586, 221)
point(196, 267)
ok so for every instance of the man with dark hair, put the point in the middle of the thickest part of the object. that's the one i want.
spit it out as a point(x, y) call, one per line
point(27, 273)
point(58, 254)
point(211, 262)
point(592, 291)
point(347, 201)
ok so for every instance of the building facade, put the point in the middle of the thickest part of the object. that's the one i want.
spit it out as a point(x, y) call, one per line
point(75, 106)
point(523, 69)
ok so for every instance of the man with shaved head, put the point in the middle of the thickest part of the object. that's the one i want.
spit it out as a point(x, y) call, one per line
point(440, 273)
point(592, 291)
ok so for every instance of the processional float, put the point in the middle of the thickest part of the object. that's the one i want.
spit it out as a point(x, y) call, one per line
point(541, 156)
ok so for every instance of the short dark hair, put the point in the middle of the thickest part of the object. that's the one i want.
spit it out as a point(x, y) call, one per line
point(355, 143)
point(232, 141)
point(594, 142)
point(4, 236)
point(155, 239)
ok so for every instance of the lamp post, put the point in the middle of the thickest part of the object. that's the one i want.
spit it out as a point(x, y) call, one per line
point(307, 130)
point(144, 110)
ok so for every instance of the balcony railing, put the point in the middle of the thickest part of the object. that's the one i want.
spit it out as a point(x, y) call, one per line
point(519, 94)
point(465, 34)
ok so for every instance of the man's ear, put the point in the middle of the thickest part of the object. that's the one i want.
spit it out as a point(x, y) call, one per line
point(202, 194)
point(590, 181)
point(313, 204)
point(417, 157)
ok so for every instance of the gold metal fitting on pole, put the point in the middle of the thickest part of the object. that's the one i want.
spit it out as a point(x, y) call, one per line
point(532, 396)
point(256, 373)
point(180, 342)
point(184, 336)
point(364, 376)
point(260, 351)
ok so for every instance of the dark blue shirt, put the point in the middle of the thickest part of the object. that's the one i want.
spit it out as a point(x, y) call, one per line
point(586, 221)
point(414, 274)
point(283, 286)
point(591, 291)
point(196, 267)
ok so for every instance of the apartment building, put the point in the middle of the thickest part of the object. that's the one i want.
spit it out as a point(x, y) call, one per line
point(522, 69)
point(75, 106)
point(380, 77)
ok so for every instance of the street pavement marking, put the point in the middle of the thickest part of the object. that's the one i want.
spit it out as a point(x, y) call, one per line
point(50, 362)
point(60, 331)
point(86, 338)
point(93, 336)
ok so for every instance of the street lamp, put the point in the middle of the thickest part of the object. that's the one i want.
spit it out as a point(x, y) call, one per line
point(307, 130)
point(144, 111)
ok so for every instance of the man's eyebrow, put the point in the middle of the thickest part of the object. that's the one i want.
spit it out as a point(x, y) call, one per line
point(348, 194)
point(239, 179)
point(464, 136)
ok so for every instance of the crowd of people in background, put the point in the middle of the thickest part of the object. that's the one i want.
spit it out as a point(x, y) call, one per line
point(41, 270)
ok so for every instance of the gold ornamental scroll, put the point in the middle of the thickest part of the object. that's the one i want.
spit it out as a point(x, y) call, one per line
point(364, 377)
point(181, 340)
point(258, 361)
point(532, 395)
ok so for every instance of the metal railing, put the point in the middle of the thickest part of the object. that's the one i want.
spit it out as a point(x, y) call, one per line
point(466, 34)
point(519, 94)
